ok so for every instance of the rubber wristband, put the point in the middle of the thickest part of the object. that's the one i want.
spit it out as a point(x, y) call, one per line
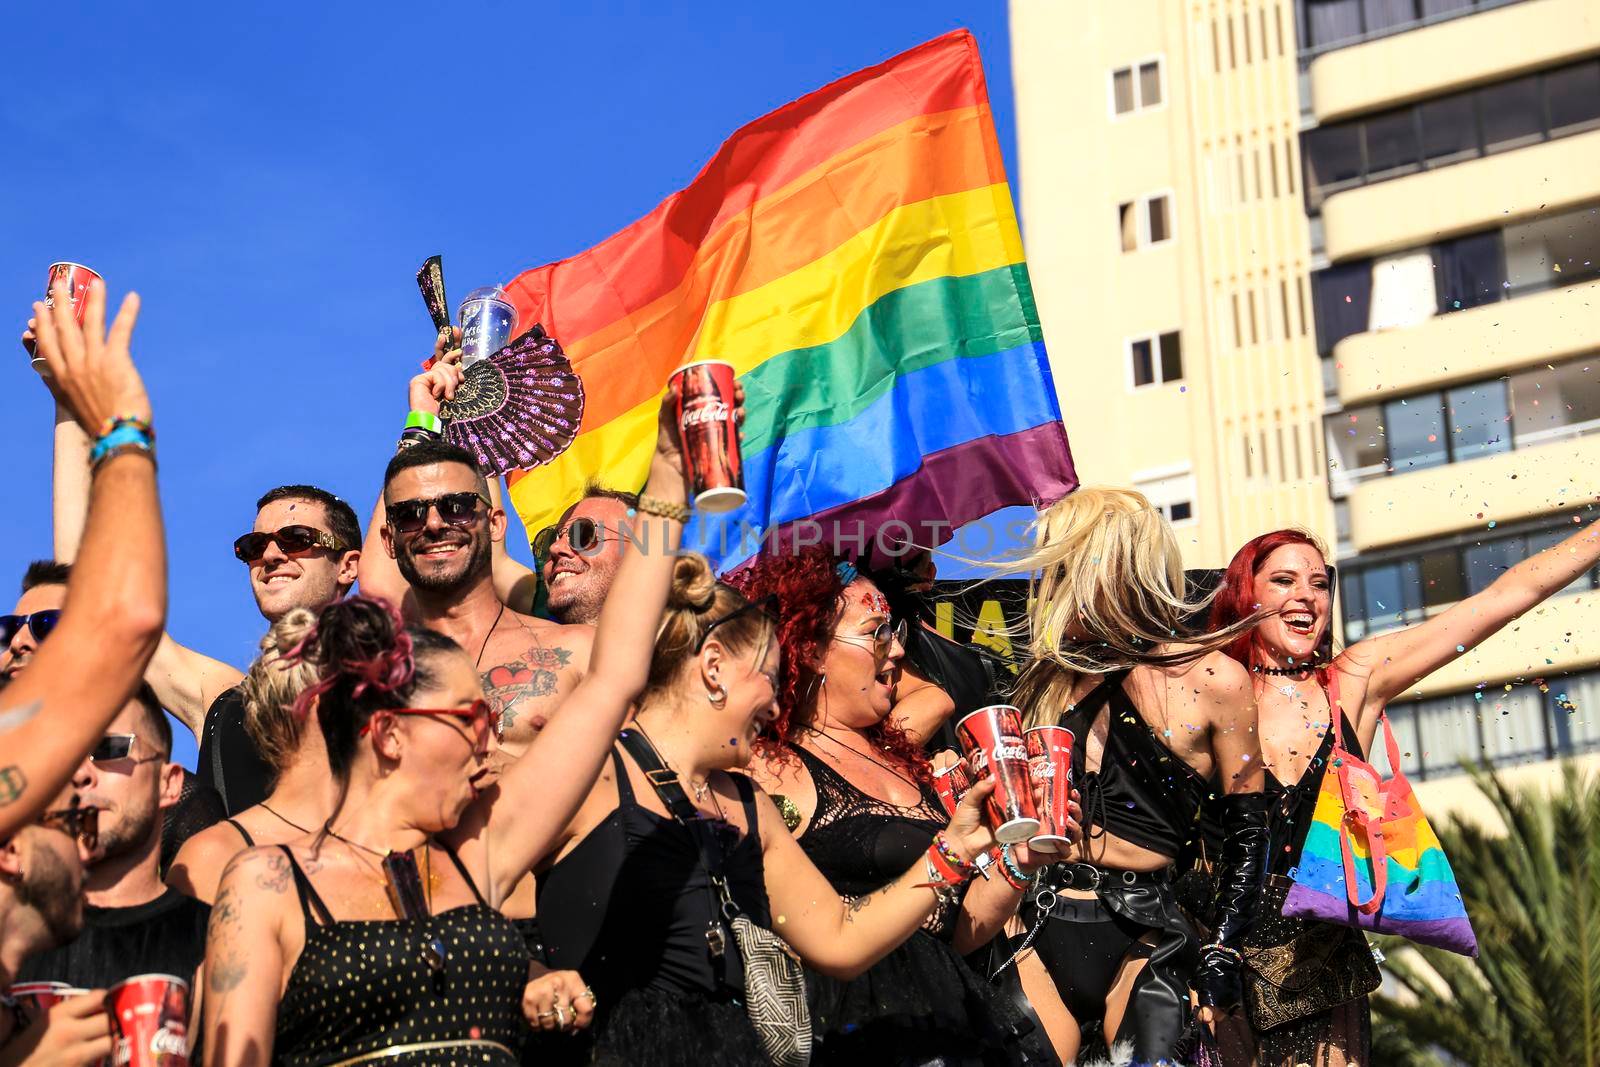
point(424, 420)
point(1016, 878)
point(122, 434)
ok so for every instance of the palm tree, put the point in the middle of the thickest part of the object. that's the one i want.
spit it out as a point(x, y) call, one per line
point(1533, 994)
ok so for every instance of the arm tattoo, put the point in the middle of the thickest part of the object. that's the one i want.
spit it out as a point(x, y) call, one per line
point(533, 675)
point(276, 878)
point(12, 718)
point(855, 904)
point(13, 783)
point(227, 968)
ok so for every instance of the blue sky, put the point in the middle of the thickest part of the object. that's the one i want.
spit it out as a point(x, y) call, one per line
point(269, 183)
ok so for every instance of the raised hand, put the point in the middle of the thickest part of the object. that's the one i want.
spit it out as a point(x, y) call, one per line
point(441, 376)
point(93, 369)
point(969, 833)
point(669, 447)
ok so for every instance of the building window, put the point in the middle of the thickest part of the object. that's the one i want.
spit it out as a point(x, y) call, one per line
point(1448, 129)
point(1484, 418)
point(1172, 494)
point(1329, 24)
point(1144, 222)
point(1137, 87)
point(1155, 360)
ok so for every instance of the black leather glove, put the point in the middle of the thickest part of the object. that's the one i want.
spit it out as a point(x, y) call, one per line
point(1241, 873)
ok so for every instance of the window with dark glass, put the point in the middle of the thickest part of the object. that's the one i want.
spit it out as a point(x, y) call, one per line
point(1550, 404)
point(1144, 372)
point(1435, 8)
point(1387, 14)
point(1128, 226)
point(1160, 225)
point(1441, 578)
point(1171, 357)
point(1415, 431)
point(1512, 114)
point(1389, 594)
point(1181, 511)
point(1468, 271)
point(1449, 129)
point(1122, 90)
point(1574, 98)
point(1149, 84)
point(1392, 146)
point(1342, 299)
point(1478, 420)
point(1487, 561)
point(1328, 21)
point(1332, 157)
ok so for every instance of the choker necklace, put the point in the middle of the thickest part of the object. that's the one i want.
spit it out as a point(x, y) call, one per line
point(1284, 672)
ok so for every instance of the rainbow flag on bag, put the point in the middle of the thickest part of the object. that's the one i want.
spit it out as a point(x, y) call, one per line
point(1371, 860)
point(855, 256)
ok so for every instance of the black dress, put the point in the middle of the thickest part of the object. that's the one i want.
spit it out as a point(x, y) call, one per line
point(629, 909)
point(362, 990)
point(922, 1001)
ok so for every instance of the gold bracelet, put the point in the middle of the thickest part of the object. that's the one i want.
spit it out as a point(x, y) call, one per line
point(664, 509)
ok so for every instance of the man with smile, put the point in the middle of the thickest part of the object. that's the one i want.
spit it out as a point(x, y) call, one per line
point(578, 557)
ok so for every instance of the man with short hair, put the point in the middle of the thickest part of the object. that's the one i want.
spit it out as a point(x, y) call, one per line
point(44, 591)
point(437, 528)
point(577, 557)
point(41, 906)
point(133, 923)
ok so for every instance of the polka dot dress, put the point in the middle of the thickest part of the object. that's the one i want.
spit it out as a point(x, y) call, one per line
point(361, 987)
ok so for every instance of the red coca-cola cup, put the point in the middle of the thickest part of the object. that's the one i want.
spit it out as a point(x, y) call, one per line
point(1050, 765)
point(992, 740)
point(709, 434)
point(149, 1021)
point(78, 278)
point(36, 998)
point(952, 784)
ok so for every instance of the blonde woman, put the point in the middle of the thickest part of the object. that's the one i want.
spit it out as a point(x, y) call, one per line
point(303, 794)
point(1159, 724)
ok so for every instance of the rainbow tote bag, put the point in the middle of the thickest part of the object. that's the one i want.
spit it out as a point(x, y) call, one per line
point(1371, 860)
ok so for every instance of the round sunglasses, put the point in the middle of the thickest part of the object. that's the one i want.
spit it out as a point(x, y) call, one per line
point(585, 535)
point(39, 622)
point(292, 541)
point(881, 640)
point(457, 509)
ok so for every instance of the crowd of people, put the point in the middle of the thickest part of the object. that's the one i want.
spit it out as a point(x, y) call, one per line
point(670, 819)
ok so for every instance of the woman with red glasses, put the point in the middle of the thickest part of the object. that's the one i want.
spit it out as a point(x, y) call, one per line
point(858, 794)
point(376, 937)
point(674, 847)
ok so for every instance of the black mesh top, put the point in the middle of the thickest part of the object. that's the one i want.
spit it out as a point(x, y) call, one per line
point(859, 842)
point(1142, 793)
point(228, 761)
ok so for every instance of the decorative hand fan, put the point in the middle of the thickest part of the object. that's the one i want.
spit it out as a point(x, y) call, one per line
point(430, 279)
point(519, 408)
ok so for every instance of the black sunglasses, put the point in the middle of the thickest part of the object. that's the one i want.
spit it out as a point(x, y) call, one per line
point(583, 534)
point(80, 822)
point(291, 540)
point(767, 605)
point(457, 509)
point(40, 622)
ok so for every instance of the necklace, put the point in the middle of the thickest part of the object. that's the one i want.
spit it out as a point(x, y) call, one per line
point(478, 662)
point(699, 790)
point(1299, 668)
point(268, 809)
point(409, 895)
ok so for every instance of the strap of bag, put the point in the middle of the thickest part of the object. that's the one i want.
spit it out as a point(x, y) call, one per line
point(1354, 816)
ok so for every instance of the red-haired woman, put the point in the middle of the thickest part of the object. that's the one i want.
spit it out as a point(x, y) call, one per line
point(858, 793)
point(1284, 576)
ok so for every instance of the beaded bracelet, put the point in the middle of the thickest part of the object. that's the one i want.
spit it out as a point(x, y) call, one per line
point(664, 509)
point(120, 437)
point(941, 871)
point(1015, 876)
point(1218, 946)
point(113, 421)
point(964, 868)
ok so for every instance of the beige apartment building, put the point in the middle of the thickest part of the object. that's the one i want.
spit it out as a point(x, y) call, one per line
point(1336, 264)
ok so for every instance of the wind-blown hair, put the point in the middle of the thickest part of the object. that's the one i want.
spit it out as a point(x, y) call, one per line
point(1235, 597)
point(1107, 594)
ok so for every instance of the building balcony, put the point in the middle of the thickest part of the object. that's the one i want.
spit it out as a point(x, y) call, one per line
point(1429, 205)
point(1438, 56)
point(1453, 497)
point(1481, 342)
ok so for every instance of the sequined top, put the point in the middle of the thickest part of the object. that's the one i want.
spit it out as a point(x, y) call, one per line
point(361, 987)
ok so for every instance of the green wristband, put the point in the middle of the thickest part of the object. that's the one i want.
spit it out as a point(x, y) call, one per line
point(423, 420)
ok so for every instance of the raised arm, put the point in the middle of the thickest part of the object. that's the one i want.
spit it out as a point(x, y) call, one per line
point(70, 487)
point(83, 674)
point(377, 573)
point(920, 706)
point(515, 584)
point(1394, 662)
point(245, 959)
point(842, 939)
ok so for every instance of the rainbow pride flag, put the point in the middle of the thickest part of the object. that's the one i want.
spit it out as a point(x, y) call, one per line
point(855, 255)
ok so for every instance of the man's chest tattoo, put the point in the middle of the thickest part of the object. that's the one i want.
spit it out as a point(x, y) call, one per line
point(533, 675)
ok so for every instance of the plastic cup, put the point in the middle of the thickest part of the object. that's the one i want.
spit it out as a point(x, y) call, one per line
point(992, 739)
point(1050, 766)
point(79, 278)
point(952, 784)
point(149, 1021)
point(488, 323)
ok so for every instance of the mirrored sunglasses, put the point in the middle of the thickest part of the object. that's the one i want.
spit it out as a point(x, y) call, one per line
point(40, 622)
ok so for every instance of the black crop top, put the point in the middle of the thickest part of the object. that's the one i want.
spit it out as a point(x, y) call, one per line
point(1294, 806)
point(629, 907)
point(1143, 793)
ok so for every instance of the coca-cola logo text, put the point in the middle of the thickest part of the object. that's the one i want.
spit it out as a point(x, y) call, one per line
point(1014, 750)
point(707, 411)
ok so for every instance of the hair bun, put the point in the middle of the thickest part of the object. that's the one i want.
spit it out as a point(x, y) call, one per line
point(694, 586)
point(288, 632)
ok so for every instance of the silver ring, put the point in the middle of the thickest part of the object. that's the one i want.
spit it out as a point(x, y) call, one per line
point(561, 1017)
point(587, 992)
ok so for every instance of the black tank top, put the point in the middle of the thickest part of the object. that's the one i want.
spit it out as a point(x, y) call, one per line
point(1294, 806)
point(1142, 793)
point(859, 842)
point(629, 907)
point(363, 986)
point(228, 761)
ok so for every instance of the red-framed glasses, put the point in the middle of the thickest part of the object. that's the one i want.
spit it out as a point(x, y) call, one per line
point(477, 714)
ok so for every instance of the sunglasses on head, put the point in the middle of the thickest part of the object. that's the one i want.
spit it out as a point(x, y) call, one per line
point(881, 640)
point(767, 605)
point(80, 822)
point(583, 534)
point(477, 714)
point(292, 541)
point(40, 622)
point(457, 509)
